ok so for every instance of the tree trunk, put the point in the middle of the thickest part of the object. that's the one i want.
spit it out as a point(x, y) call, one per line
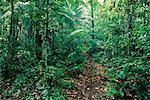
point(12, 40)
point(90, 58)
point(92, 15)
point(130, 17)
point(45, 41)
point(146, 19)
point(38, 37)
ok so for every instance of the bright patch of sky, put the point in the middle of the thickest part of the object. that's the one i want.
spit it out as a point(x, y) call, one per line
point(101, 2)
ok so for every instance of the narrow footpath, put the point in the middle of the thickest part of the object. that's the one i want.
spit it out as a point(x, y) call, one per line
point(90, 84)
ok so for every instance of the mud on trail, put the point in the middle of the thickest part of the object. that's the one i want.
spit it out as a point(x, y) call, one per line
point(90, 85)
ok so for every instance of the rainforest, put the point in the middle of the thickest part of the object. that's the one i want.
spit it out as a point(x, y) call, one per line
point(74, 50)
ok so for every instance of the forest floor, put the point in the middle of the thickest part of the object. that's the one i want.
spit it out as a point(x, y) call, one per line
point(90, 85)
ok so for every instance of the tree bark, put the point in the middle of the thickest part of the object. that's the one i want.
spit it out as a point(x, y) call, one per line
point(45, 42)
point(92, 15)
point(12, 41)
point(146, 19)
point(38, 36)
point(90, 58)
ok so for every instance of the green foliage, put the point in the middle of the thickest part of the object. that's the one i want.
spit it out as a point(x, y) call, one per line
point(30, 77)
point(44, 46)
point(126, 57)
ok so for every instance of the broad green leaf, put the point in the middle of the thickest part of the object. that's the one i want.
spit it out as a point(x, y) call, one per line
point(125, 68)
point(67, 16)
point(78, 31)
point(121, 75)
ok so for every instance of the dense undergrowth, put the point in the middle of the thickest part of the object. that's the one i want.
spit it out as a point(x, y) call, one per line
point(45, 45)
point(27, 79)
point(125, 55)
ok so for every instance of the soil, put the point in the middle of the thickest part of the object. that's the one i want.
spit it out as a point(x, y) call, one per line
point(90, 85)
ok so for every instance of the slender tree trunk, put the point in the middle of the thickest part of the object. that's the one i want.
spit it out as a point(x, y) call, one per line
point(11, 33)
point(146, 19)
point(30, 39)
point(130, 22)
point(29, 36)
point(92, 15)
point(92, 67)
point(38, 36)
point(52, 40)
point(38, 41)
point(12, 40)
point(1, 26)
point(129, 13)
point(10, 37)
point(45, 42)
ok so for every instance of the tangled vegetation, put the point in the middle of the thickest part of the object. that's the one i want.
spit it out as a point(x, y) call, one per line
point(45, 46)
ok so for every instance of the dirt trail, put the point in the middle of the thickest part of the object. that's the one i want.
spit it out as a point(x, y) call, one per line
point(83, 85)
